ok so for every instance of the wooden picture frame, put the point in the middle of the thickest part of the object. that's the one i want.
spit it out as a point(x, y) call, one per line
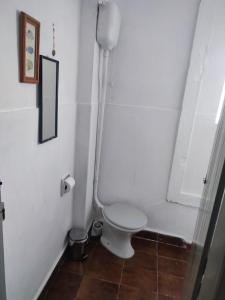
point(29, 49)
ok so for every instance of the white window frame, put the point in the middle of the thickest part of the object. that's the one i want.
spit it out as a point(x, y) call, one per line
point(197, 74)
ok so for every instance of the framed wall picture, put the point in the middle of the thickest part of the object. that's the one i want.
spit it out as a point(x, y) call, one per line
point(29, 48)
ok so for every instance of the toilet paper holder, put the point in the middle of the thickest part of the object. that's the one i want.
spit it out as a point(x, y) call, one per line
point(67, 184)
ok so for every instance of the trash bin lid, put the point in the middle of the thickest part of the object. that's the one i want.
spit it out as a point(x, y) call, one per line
point(76, 234)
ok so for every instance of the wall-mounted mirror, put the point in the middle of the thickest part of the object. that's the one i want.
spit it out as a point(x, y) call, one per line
point(48, 99)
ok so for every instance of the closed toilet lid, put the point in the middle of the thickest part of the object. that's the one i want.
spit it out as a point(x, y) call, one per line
point(125, 216)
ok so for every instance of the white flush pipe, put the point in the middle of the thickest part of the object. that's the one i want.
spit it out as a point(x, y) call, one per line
point(103, 76)
point(108, 29)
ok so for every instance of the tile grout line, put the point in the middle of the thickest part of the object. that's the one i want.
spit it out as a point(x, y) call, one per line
point(165, 243)
point(143, 238)
point(121, 275)
point(184, 246)
point(173, 245)
point(174, 259)
point(83, 275)
point(104, 280)
point(79, 287)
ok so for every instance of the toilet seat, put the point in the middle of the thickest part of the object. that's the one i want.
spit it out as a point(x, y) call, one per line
point(125, 216)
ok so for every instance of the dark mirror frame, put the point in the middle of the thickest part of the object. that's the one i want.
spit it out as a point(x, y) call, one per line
point(41, 102)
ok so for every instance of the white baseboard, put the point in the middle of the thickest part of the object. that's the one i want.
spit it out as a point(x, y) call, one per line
point(169, 234)
point(49, 273)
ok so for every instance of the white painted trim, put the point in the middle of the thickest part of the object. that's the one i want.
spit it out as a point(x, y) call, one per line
point(208, 199)
point(49, 273)
point(196, 73)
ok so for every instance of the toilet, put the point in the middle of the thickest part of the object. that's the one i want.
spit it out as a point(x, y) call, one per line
point(121, 221)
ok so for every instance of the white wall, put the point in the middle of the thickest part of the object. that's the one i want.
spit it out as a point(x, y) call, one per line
point(146, 86)
point(37, 218)
point(87, 107)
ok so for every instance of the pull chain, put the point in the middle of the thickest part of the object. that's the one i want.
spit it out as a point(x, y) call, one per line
point(53, 38)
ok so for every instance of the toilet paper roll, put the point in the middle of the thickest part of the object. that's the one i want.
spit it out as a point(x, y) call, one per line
point(69, 183)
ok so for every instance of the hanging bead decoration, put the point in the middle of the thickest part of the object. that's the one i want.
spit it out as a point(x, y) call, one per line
point(53, 37)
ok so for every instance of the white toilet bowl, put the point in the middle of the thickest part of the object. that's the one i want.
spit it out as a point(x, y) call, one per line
point(121, 221)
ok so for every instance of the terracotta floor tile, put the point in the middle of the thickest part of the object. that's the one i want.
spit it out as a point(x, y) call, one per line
point(147, 235)
point(170, 285)
point(142, 260)
point(175, 241)
point(65, 286)
point(145, 246)
point(140, 278)
point(100, 276)
point(104, 256)
point(59, 295)
point(172, 266)
point(106, 271)
point(75, 267)
point(131, 293)
point(173, 252)
point(94, 289)
point(162, 297)
point(52, 278)
point(70, 278)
